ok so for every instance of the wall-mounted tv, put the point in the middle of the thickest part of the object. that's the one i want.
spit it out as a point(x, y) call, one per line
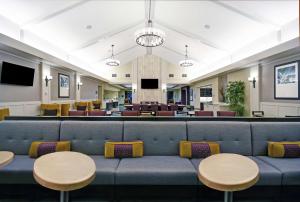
point(16, 74)
point(149, 83)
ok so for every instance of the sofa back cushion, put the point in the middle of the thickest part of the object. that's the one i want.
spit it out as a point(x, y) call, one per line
point(89, 137)
point(161, 138)
point(17, 136)
point(233, 137)
point(265, 132)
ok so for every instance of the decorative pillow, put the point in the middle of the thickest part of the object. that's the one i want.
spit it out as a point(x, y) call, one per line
point(124, 149)
point(284, 149)
point(189, 149)
point(38, 149)
point(50, 112)
point(81, 108)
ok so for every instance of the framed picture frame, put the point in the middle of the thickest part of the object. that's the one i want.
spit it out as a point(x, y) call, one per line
point(63, 86)
point(286, 81)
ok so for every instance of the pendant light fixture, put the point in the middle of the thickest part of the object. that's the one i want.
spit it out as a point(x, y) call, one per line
point(112, 61)
point(186, 62)
point(149, 36)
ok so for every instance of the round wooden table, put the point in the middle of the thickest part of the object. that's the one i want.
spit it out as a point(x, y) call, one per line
point(5, 158)
point(64, 172)
point(228, 173)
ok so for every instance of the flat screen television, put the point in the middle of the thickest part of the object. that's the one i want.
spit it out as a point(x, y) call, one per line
point(17, 74)
point(149, 83)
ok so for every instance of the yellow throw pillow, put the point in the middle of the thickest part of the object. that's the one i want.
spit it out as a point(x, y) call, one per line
point(284, 149)
point(38, 148)
point(124, 149)
point(189, 149)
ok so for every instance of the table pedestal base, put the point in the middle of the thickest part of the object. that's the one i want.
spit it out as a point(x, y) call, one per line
point(64, 196)
point(228, 196)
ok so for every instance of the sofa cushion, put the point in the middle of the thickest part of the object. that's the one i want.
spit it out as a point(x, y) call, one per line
point(156, 170)
point(289, 167)
point(268, 175)
point(233, 137)
point(160, 138)
point(264, 132)
point(89, 137)
point(19, 171)
point(105, 170)
point(16, 136)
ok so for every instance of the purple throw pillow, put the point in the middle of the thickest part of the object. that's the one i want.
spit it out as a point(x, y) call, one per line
point(291, 150)
point(200, 150)
point(46, 148)
point(123, 151)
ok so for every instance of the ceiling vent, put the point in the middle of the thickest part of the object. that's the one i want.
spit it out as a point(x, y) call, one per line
point(171, 75)
point(184, 75)
point(127, 75)
point(114, 75)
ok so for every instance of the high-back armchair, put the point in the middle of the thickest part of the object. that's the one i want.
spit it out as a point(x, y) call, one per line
point(226, 113)
point(80, 106)
point(204, 113)
point(163, 107)
point(64, 109)
point(96, 104)
point(50, 109)
point(3, 113)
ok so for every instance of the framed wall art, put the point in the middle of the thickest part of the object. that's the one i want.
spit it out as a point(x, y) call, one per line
point(286, 81)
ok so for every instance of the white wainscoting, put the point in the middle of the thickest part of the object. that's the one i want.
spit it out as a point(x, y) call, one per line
point(31, 108)
point(277, 109)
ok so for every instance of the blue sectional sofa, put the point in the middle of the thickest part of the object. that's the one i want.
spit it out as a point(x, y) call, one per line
point(161, 164)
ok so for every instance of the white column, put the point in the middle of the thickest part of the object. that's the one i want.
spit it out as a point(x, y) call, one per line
point(45, 88)
point(254, 92)
point(135, 81)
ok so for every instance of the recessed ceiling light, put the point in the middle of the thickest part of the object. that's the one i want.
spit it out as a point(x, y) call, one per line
point(89, 27)
point(207, 26)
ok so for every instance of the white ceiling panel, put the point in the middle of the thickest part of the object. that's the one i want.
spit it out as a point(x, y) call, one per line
point(68, 30)
point(24, 11)
point(227, 28)
point(277, 12)
point(123, 41)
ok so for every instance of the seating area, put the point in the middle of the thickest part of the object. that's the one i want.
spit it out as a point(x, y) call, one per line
point(161, 163)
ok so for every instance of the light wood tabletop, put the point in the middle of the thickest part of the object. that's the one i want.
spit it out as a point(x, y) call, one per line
point(228, 172)
point(5, 158)
point(64, 171)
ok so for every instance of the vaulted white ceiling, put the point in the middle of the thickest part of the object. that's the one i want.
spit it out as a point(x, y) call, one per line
point(83, 30)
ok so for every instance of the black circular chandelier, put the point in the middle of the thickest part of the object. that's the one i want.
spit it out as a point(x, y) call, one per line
point(150, 36)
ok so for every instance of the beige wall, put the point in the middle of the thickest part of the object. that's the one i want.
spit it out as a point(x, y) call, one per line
point(214, 82)
point(89, 88)
point(149, 67)
point(242, 75)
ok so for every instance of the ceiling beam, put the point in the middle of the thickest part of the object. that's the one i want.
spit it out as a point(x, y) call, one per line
point(52, 15)
point(147, 9)
point(191, 35)
point(117, 54)
point(247, 15)
point(180, 54)
point(106, 36)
